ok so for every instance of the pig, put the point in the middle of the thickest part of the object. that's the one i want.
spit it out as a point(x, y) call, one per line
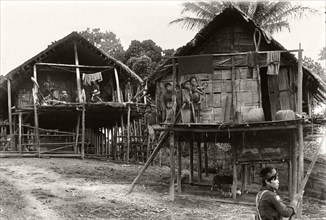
point(218, 180)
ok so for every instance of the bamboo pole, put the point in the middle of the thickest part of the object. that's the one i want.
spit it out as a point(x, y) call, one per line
point(117, 84)
point(234, 54)
point(172, 166)
point(74, 66)
point(37, 134)
point(77, 134)
point(77, 72)
point(199, 162)
point(20, 116)
point(191, 161)
point(10, 113)
point(148, 162)
point(83, 133)
point(300, 128)
point(179, 166)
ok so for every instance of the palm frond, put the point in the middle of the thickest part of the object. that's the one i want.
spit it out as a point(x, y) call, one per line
point(274, 27)
point(190, 22)
point(196, 9)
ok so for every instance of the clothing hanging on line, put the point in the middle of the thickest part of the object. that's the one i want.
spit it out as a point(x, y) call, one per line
point(273, 62)
point(89, 78)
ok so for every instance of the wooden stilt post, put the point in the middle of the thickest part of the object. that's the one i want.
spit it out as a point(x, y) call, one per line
point(128, 134)
point(83, 133)
point(149, 160)
point(294, 165)
point(77, 72)
point(235, 178)
point(244, 176)
point(179, 173)
point(300, 128)
point(37, 135)
point(10, 113)
point(20, 116)
point(290, 179)
point(115, 142)
point(172, 166)
point(199, 162)
point(206, 159)
point(77, 134)
point(191, 161)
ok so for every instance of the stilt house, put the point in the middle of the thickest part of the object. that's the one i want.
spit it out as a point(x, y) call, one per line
point(66, 100)
point(255, 95)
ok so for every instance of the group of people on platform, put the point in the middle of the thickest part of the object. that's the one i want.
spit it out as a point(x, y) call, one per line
point(187, 101)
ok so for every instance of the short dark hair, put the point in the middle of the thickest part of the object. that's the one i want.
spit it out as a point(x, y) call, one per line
point(183, 84)
point(267, 173)
point(193, 77)
point(167, 84)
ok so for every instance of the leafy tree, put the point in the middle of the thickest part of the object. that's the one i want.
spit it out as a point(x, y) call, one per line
point(142, 65)
point(271, 16)
point(106, 41)
point(143, 57)
point(315, 67)
point(146, 47)
point(322, 54)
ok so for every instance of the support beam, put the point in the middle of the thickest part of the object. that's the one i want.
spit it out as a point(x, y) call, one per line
point(300, 128)
point(235, 177)
point(74, 66)
point(83, 133)
point(148, 162)
point(117, 85)
point(10, 113)
point(179, 173)
point(199, 162)
point(37, 134)
point(20, 120)
point(77, 134)
point(172, 166)
point(294, 165)
point(244, 176)
point(77, 72)
point(128, 134)
point(191, 161)
point(206, 159)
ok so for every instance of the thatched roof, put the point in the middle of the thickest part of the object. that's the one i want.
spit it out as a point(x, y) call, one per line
point(65, 46)
point(233, 13)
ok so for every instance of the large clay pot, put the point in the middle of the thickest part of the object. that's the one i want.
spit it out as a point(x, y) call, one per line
point(255, 115)
point(283, 115)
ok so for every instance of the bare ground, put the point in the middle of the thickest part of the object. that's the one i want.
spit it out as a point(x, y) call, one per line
point(32, 188)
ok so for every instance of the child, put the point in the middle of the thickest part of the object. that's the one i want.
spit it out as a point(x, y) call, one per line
point(150, 120)
point(167, 97)
point(186, 108)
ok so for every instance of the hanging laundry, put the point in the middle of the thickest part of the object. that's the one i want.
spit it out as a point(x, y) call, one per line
point(195, 64)
point(89, 78)
point(252, 59)
point(273, 62)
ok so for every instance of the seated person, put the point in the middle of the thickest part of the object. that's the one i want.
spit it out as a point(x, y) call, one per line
point(63, 96)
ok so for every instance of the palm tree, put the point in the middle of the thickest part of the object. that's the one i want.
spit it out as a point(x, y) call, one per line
point(271, 16)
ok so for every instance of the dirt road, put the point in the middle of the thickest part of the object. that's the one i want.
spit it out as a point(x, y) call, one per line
point(89, 189)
